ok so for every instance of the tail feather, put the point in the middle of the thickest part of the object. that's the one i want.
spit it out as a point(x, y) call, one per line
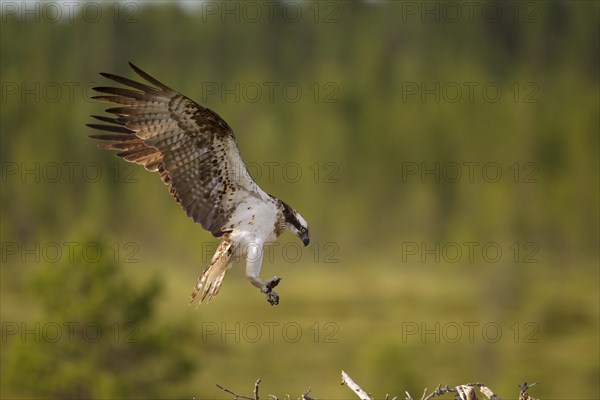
point(209, 282)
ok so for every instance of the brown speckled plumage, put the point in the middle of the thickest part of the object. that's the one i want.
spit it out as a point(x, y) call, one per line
point(192, 148)
point(196, 155)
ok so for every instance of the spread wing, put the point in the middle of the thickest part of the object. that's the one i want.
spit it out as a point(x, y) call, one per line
point(192, 148)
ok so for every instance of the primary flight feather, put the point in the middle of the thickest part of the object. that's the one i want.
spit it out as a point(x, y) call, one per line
point(196, 155)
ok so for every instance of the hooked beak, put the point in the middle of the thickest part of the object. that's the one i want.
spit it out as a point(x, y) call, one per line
point(305, 239)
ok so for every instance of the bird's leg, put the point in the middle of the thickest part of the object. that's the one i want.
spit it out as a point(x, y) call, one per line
point(253, 264)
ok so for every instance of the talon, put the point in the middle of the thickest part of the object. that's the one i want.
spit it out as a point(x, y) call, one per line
point(267, 289)
point(271, 283)
point(273, 298)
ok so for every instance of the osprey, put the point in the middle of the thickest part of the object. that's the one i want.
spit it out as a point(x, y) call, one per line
point(197, 157)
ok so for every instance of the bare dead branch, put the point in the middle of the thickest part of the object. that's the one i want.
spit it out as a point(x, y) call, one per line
point(305, 395)
point(466, 392)
point(236, 396)
point(523, 395)
point(346, 380)
point(487, 392)
point(439, 391)
point(256, 385)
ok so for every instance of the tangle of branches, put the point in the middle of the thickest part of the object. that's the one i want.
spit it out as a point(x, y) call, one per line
point(468, 391)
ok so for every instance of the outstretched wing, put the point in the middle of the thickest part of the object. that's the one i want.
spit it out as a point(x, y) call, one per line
point(192, 148)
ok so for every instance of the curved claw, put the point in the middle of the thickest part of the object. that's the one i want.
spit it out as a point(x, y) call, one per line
point(273, 298)
point(267, 289)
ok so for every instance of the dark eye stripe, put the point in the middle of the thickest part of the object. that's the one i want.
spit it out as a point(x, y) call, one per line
point(290, 218)
point(296, 223)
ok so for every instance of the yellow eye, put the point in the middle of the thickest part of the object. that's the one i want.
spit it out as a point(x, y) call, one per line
point(303, 230)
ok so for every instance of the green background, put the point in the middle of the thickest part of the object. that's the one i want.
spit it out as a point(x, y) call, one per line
point(381, 292)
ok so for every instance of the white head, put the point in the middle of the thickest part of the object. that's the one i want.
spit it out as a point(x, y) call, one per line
point(295, 223)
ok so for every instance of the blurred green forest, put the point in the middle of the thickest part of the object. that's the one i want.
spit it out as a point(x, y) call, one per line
point(367, 98)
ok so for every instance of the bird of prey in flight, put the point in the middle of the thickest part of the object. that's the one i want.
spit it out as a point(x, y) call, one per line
point(197, 157)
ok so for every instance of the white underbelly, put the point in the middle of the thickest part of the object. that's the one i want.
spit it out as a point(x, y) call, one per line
point(252, 222)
